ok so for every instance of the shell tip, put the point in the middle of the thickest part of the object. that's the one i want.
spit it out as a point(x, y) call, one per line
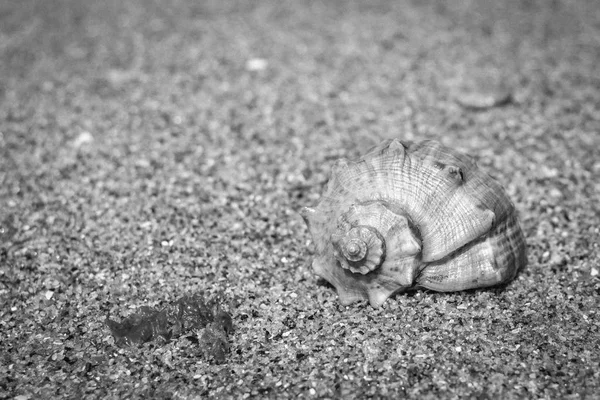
point(339, 166)
point(377, 298)
point(396, 144)
point(307, 214)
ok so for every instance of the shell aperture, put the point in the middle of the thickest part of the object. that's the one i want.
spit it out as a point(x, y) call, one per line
point(413, 215)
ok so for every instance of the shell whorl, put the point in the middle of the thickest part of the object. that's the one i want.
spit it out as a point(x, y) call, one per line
point(360, 249)
point(413, 215)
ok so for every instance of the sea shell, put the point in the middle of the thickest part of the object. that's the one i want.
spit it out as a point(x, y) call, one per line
point(408, 216)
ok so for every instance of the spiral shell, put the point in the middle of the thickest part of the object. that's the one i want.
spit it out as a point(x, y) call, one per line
point(409, 215)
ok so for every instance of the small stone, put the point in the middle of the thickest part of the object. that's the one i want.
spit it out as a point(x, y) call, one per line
point(483, 100)
point(256, 64)
point(84, 138)
point(554, 192)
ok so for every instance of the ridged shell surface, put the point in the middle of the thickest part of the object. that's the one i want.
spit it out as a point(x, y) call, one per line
point(413, 215)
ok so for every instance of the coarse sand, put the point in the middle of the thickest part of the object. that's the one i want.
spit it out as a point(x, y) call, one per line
point(151, 150)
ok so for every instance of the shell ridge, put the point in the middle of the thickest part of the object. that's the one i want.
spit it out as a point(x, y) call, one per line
point(500, 260)
point(386, 163)
point(432, 202)
point(452, 217)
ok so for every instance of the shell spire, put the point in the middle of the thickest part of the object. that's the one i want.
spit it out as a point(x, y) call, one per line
point(413, 215)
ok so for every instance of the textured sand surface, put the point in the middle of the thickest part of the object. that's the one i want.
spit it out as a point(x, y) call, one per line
point(152, 149)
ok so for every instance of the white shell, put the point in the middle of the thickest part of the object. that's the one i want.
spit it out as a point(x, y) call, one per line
point(413, 215)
